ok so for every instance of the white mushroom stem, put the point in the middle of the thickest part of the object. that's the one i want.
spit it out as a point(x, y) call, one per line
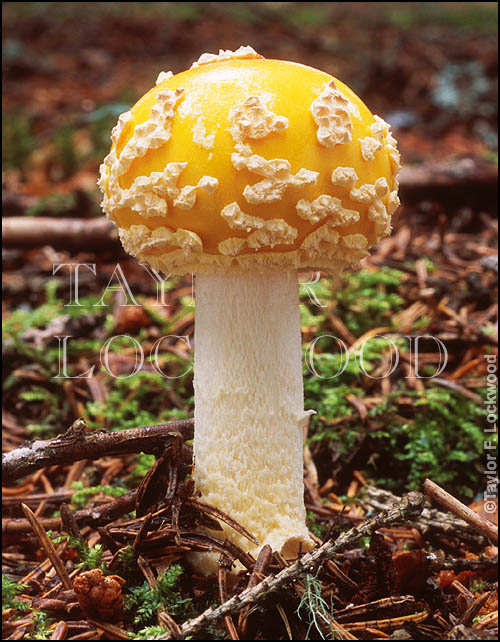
point(249, 405)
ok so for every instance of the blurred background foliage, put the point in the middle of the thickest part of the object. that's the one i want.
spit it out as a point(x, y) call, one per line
point(71, 68)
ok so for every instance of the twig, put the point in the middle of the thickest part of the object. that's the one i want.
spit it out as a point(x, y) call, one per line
point(387, 623)
point(430, 518)
point(408, 508)
point(462, 590)
point(340, 576)
point(452, 385)
point(257, 574)
point(474, 608)
point(484, 526)
point(168, 622)
point(60, 632)
point(35, 499)
point(68, 521)
point(67, 233)
point(376, 605)
point(489, 621)
point(469, 176)
point(228, 620)
point(338, 630)
point(110, 629)
point(98, 515)
point(283, 616)
point(48, 547)
point(76, 444)
point(458, 565)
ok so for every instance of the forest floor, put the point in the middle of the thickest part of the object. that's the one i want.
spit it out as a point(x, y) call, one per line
point(92, 514)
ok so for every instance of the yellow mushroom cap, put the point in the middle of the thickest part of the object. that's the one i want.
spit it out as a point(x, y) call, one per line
point(242, 162)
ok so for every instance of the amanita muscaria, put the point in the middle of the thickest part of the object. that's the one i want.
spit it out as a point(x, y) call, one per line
point(243, 170)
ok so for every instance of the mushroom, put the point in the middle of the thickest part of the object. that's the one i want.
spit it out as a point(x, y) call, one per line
point(243, 170)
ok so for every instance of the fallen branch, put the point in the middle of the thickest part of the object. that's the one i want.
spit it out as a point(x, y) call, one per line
point(407, 509)
point(457, 565)
point(429, 519)
point(483, 526)
point(473, 177)
point(66, 233)
point(99, 515)
point(76, 444)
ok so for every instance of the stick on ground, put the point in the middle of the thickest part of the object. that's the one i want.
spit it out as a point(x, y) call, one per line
point(76, 444)
point(484, 526)
point(67, 233)
point(97, 515)
point(48, 547)
point(431, 519)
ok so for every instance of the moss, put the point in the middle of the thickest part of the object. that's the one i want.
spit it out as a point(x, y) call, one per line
point(10, 590)
point(440, 436)
point(145, 602)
